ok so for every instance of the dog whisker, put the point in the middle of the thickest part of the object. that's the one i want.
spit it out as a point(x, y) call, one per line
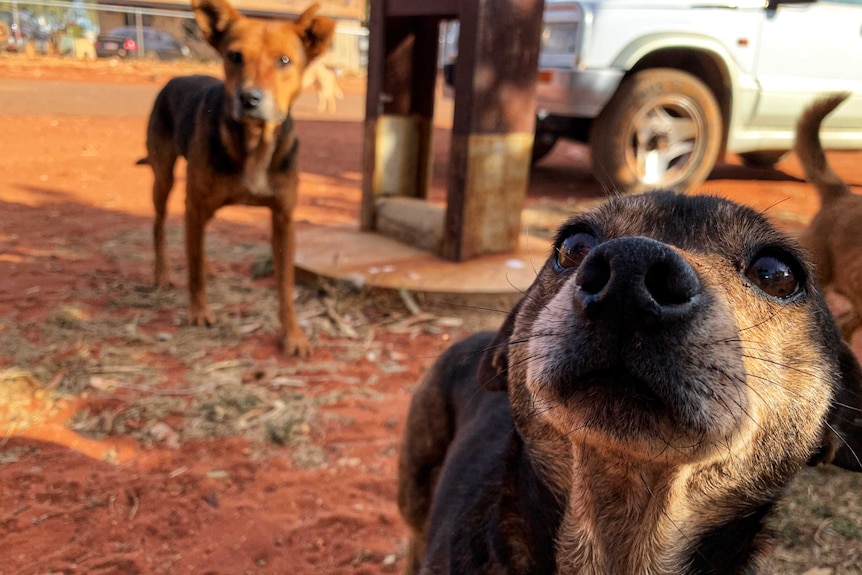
point(476, 307)
point(847, 406)
point(573, 431)
point(514, 287)
point(774, 204)
point(780, 364)
point(846, 443)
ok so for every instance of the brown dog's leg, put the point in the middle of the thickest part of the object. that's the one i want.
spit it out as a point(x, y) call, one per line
point(163, 181)
point(209, 270)
point(196, 221)
point(294, 341)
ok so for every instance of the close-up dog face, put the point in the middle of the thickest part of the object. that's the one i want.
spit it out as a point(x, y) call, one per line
point(675, 329)
point(263, 60)
point(669, 371)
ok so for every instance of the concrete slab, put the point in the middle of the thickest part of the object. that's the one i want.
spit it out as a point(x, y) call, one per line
point(374, 260)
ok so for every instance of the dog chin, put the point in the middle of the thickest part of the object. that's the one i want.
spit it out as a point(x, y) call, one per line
point(257, 116)
point(682, 388)
point(616, 408)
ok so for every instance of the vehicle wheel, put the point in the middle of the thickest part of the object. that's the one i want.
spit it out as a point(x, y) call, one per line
point(543, 143)
point(761, 159)
point(662, 129)
point(153, 56)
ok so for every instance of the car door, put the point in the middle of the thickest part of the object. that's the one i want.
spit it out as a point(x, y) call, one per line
point(167, 46)
point(808, 49)
point(151, 43)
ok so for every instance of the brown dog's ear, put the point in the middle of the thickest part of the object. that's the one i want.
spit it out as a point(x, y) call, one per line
point(494, 366)
point(214, 17)
point(842, 438)
point(316, 32)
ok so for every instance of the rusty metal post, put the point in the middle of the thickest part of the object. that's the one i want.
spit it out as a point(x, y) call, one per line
point(493, 127)
point(402, 70)
point(492, 135)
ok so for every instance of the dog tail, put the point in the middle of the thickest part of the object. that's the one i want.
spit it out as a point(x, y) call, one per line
point(143, 162)
point(810, 151)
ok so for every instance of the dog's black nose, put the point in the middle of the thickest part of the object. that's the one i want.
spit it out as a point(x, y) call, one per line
point(250, 99)
point(636, 280)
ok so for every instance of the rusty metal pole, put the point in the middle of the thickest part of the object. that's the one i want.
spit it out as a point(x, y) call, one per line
point(402, 70)
point(493, 127)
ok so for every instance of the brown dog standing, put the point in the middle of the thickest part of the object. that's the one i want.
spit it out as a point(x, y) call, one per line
point(641, 409)
point(240, 143)
point(834, 236)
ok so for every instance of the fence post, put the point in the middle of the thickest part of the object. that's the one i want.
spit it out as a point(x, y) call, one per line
point(139, 29)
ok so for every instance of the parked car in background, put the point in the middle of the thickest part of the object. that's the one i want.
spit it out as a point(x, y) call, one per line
point(661, 90)
point(11, 36)
point(16, 33)
point(153, 43)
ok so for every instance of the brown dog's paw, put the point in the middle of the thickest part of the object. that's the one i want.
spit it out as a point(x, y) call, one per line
point(296, 344)
point(203, 317)
point(162, 277)
point(209, 270)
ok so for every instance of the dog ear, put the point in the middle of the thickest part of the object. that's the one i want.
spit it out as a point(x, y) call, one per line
point(213, 18)
point(494, 365)
point(316, 32)
point(842, 437)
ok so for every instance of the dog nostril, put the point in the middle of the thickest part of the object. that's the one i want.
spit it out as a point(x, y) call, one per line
point(636, 282)
point(670, 284)
point(594, 275)
point(250, 98)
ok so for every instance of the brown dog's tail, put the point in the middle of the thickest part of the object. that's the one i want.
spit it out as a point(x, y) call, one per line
point(143, 162)
point(810, 151)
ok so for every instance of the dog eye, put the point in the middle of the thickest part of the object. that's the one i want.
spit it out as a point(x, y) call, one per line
point(572, 250)
point(773, 276)
point(282, 62)
point(234, 57)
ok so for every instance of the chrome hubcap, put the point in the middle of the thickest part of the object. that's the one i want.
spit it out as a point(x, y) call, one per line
point(666, 136)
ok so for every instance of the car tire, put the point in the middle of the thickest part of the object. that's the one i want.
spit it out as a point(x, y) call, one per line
point(543, 143)
point(762, 159)
point(661, 129)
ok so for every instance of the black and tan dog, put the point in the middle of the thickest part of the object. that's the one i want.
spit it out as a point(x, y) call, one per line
point(239, 140)
point(834, 237)
point(640, 411)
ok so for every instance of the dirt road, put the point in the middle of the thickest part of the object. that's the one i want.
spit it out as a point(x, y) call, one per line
point(202, 450)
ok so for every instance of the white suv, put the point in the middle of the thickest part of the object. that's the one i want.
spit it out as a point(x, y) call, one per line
point(661, 89)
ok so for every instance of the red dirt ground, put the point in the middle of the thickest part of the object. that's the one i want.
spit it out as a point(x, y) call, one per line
point(204, 451)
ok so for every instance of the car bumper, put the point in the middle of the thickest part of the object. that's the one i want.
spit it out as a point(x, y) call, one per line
point(575, 93)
